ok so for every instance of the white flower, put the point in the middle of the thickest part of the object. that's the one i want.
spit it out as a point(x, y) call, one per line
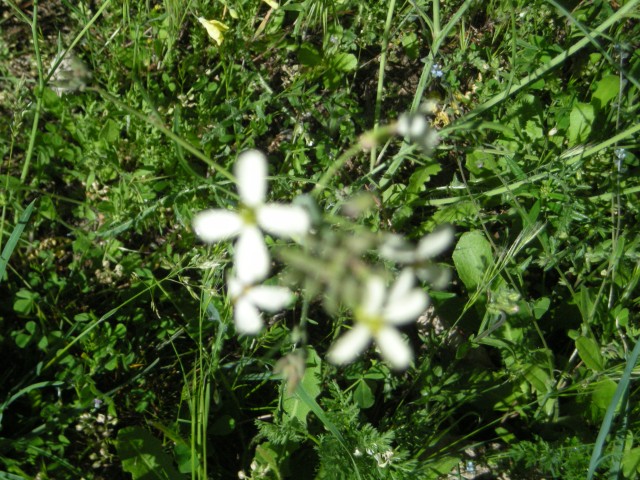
point(396, 249)
point(377, 317)
point(251, 256)
point(248, 300)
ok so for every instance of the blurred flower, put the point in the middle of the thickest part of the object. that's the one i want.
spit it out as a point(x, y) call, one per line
point(215, 29)
point(248, 300)
point(71, 75)
point(378, 315)
point(396, 249)
point(251, 256)
point(418, 130)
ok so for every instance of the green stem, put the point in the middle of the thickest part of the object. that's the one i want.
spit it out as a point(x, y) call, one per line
point(383, 64)
point(38, 92)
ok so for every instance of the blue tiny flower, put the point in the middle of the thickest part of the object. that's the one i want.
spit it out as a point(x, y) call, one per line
point(436, 70)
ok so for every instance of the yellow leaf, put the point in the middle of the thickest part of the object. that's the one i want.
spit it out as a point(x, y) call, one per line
point(271, 3)
point(215, 29)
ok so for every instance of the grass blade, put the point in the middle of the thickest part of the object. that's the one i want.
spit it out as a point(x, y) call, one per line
point(13, 239)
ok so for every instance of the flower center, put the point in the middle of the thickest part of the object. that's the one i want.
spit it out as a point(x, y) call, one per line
point(372, 322)
point(248, 215)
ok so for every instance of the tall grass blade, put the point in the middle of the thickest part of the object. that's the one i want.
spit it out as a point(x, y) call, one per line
point(13, 239)
point(621, 391)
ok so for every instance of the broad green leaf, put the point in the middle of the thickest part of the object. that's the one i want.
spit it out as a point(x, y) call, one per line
point(345, 62)
point(308, 55)
point(538, 378)
point(607, 89)
point(580, 122)
point(363, 394)
point(481, 163)
point(589, 352)
point(292, 403)
point(143, 457)
point(472, 258)
point(603, 392)
point(631, 463)
point(540, 307)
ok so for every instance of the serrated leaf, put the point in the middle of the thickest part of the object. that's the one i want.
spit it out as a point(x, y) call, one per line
point(143, 457)
point(589, 352)
point(472, 257)
point(421, 176)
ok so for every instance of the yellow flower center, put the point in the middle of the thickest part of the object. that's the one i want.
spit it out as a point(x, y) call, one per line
point(248, 215)
point(372, 322)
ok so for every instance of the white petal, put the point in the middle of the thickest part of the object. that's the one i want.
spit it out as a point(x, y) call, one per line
point(271, 299)
point(435, 243)
point(235, 288)
point(215, 225)
point(393, 348)
point(374, 296)
point(349, 345)
point(251, 256)
point(251, 173)
point(403, 285)
point(247, 317)
point(407, 308)
point(394, 248)
point(283, 220)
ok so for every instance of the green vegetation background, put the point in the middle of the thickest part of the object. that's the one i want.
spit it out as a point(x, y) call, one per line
point(119, 356)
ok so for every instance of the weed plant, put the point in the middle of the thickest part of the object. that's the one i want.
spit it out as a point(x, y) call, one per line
point(440, 281)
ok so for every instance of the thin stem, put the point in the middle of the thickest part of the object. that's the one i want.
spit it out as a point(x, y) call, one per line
point(383, 64)
point(38, 92)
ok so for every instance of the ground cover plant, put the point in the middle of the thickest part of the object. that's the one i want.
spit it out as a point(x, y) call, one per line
point(314, 239)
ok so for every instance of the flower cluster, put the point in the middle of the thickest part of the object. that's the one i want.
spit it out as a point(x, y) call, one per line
point(378, 310)
point(251, 257)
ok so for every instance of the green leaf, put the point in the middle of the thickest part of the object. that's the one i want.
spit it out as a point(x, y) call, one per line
point(13, 239)
point(607, 89)
point(631, 463)
point(540, 307)
point(308, 55)
point(345, 62)
point(481, 163)
point(143, 457)
point(472, 257)
point(538, 378)
point(589, 352)
point(292, 404)
point(603, 392)
point(421, 176)
point(363, 394)
point(580, 122)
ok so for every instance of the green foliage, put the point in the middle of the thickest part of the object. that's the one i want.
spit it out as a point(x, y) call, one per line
point(113, 315)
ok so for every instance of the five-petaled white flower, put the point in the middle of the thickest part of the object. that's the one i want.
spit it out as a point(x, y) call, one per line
point(377, 317)
point(248, 300)
point(251, 257)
